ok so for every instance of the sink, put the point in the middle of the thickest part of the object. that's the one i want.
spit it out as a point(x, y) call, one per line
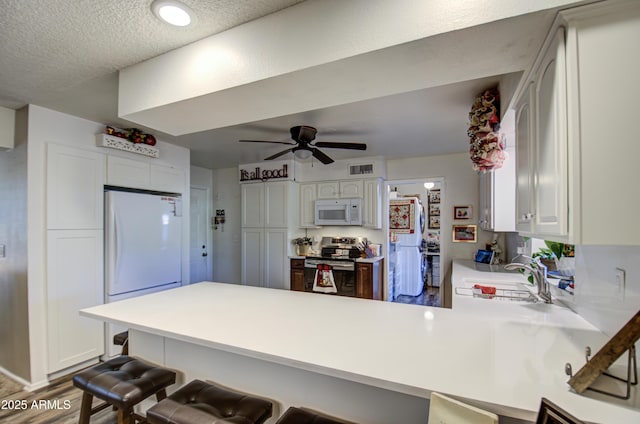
point(512, 291)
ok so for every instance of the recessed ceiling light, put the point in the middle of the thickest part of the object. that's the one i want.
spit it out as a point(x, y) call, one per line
point(172, 12)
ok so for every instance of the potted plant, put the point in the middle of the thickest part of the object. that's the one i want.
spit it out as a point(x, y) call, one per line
point(302, 245)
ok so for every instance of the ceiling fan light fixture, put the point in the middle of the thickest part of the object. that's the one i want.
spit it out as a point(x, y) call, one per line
point(302, 153)
point(172, 12)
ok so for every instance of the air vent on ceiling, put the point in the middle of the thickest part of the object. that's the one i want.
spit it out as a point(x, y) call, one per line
point(361, 169)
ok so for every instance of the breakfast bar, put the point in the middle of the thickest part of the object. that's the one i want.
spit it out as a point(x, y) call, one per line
point(365, 361)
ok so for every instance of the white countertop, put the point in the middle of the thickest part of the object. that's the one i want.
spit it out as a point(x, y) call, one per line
point(503, 360)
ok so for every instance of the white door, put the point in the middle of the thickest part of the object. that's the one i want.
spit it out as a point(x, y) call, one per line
point(199, 254)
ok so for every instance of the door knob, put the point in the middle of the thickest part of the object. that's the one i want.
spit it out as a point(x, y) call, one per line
point(205, 254)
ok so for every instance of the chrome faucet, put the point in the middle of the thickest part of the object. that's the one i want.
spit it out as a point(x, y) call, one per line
point(539, 272)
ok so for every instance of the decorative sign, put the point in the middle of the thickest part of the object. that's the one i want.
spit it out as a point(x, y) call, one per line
point(260, 172)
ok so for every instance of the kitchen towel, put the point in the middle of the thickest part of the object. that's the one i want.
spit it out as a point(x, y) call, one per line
point(324, 281)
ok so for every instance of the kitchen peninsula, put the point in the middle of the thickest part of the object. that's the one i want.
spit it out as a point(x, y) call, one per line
point(368, 362)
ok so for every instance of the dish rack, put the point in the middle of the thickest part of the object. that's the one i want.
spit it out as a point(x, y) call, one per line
point(500, 294)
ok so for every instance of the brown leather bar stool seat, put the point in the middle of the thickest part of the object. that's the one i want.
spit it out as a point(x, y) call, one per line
point(203, 403)
point(121, 382)
point(303, 416)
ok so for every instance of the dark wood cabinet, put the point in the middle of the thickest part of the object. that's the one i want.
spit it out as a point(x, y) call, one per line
point(297, 274)
point(369, 280)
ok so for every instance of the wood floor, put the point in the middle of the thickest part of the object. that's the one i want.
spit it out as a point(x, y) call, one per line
point(57, 403)
point(429, 297)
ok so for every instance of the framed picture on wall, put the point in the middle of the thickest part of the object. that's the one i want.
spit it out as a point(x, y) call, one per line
point(465, 233)
point(462, 212)
point(434, 221)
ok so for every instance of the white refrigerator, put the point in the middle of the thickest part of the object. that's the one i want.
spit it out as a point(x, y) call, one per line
point(409, 278)
point(143, 247)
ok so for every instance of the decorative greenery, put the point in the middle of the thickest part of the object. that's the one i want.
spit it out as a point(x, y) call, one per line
point(301, 241)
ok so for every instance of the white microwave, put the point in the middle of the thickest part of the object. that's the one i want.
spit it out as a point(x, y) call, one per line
point(338, 212)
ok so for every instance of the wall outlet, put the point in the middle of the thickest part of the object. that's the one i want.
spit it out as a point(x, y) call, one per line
point(620, 281)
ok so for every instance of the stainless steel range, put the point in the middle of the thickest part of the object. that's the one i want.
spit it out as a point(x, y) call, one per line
point(339, 253)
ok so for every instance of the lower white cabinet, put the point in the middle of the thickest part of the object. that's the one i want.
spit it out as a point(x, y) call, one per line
point(74, 281)
point(265, 257)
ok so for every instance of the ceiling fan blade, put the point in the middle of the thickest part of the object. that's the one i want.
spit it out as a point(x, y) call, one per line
point(321, 156)
point(266, 141)
point(341, 145)
point(277, 155)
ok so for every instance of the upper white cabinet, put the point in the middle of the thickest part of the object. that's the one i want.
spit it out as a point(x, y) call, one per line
point(340, 189)
point(308, 196)
point(252, 199)
point(542, 145)
point(603, 59)
point(550, 147)
point(524, 165)
point(125, 172)
point(328, 190)
point(577, 138)
point(351, 188)
point(75, 180)
point(372, 204)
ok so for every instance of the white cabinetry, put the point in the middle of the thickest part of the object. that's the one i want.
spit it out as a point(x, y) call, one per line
point(524, 166)
point(372, 204)
point(75, 178)
point(124, 172)
point(577, 132)
point(602, 60)
point(498, 197)
point(328, 190)
point(368, 190)
point(542, 146)
point(267, 232)
point(308, 196)
point(74, 252)
point(74, 281)
point(340, 189)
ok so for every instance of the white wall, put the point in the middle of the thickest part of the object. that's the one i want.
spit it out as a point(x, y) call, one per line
point(14, 335)
point(597, 297)
point(461, 187)
point(226, 239)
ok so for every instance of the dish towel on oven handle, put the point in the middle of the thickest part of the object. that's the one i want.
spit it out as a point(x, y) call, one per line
point(324, 281)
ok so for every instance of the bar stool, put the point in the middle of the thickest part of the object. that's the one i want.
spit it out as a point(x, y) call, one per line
point(203, 403)
point(295, 415)
point(122, 339)
point(121, 382)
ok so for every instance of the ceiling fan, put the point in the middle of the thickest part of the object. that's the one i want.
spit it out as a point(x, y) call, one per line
point(303, 135)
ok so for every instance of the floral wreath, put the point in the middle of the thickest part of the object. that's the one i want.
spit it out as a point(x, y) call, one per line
point(487, 142)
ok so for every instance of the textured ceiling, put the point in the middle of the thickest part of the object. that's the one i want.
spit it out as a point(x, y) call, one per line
point(50, 46)
point(65, 55)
